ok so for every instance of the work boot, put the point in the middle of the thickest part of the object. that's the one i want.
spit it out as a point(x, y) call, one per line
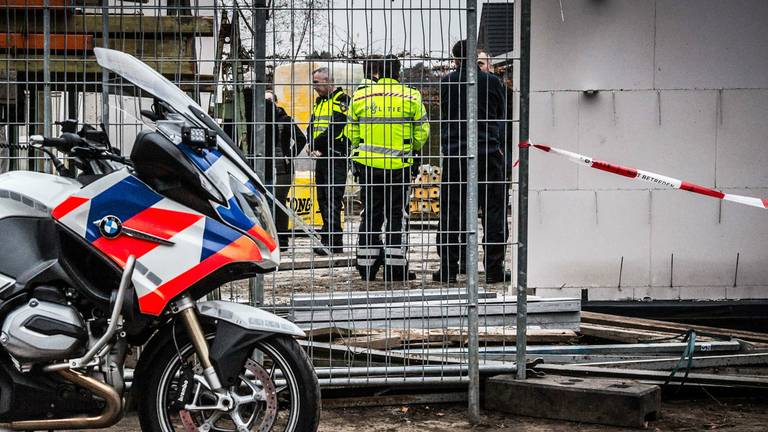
point(400, 276)
point(367, 274)
point(441, 276)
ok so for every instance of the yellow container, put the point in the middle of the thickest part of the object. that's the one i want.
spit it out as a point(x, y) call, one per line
point(293, 85)
point(302, 199)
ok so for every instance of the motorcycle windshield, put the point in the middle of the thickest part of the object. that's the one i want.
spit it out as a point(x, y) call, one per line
point(243, 204)
point(141, 75)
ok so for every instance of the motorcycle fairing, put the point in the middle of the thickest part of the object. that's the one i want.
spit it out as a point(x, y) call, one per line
point(216, 163)
point(216, 166)
point(200, 244)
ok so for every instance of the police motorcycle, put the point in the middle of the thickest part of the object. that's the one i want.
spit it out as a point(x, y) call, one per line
point(114, 253)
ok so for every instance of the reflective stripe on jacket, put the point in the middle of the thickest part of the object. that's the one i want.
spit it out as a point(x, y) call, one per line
point(387, 121)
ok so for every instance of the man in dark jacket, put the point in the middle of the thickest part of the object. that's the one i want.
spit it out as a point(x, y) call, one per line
point(491, 111)
point(284, 141)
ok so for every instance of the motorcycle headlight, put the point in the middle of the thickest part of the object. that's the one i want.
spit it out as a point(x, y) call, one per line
point(255, 207)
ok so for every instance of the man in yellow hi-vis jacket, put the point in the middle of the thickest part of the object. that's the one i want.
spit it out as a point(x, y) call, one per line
point(330, 148)
point(387, 123)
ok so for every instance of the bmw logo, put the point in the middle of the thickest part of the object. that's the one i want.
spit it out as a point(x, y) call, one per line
point(110, 226)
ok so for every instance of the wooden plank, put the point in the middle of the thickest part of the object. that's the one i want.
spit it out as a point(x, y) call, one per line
point(56, 4)
point(486, 335)
point(622, 334)
point(377, 341)
point(124, 25)
point(101, 2)
point(498, 335)
point(454, 335)
point(36, 42)
point(331, 332)
point(32, 4)
point(70, 65)
point(171, 48)
point(665, 326)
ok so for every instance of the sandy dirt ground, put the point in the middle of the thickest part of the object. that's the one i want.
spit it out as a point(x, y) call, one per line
point(343, 277)
point(731, 415)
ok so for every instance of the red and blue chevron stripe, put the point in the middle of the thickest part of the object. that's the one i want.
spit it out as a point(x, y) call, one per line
point(201, 244)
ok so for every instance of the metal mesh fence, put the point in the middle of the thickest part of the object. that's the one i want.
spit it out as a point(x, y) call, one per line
point(370, 138)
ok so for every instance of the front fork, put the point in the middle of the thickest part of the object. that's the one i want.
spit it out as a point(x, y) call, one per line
point(186, 309)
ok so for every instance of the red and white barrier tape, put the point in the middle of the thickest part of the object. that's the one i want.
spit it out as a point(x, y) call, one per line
point(649, 177)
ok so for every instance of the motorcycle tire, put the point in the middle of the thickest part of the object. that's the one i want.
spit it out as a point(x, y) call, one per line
point(155, 408)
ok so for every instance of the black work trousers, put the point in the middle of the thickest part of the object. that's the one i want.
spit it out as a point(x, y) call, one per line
point(280, 189)
point(492, 203)
point(384, 194)
point(331, 178)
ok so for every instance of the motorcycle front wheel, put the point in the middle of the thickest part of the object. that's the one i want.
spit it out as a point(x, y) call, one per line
point(277, 390)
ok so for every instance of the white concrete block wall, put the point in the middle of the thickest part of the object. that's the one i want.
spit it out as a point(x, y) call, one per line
point(710, 43)
point(742, 139)
point(601, 44)
point(683, 91)
point(559, 116)
point(585, 233)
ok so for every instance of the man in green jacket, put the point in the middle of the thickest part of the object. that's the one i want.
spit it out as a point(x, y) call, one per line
point(387, 123)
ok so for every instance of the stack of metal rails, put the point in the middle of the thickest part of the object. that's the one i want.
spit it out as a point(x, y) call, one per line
point(410, 337)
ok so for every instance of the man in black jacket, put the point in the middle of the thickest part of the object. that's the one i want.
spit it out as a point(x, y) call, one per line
point(491, 111)
point(284, 141)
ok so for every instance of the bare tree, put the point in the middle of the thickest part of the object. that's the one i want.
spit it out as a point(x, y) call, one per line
point(293, 25)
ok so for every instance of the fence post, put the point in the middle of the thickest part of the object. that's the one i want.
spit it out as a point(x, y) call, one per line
point(46, 72)
point(472, 321)
point(259, 17)
point(104, 72)
point(522, 194)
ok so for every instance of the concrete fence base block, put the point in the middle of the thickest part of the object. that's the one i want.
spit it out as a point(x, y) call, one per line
point(587, 400)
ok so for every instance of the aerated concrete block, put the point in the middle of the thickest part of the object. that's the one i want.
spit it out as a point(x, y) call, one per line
point(587, 400)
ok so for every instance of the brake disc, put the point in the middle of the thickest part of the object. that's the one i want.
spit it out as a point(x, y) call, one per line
point(269, 394)
point(264, 399)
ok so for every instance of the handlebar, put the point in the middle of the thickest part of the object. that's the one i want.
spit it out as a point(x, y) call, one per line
point(76, 146)
point(47, 141)
point(61, 144)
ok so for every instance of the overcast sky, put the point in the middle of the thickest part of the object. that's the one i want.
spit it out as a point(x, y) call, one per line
point(380, 26)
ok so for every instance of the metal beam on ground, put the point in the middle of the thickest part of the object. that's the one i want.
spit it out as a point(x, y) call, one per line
point(668, 363)
point(654, 376)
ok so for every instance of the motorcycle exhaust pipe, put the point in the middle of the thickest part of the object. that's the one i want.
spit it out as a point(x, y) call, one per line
point(111, 414)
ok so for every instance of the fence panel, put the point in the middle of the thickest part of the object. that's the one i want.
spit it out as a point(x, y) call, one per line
point(374, 144)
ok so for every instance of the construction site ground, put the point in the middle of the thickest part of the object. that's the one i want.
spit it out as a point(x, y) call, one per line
point(723, 414)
